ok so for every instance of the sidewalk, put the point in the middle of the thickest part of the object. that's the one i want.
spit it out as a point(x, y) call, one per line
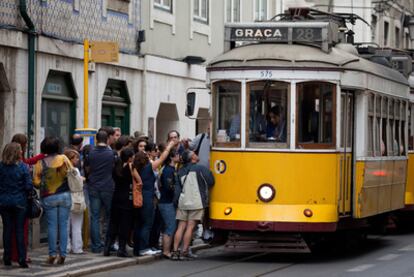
point(77, 265)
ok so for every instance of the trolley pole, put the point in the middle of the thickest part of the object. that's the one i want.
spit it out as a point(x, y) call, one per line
point(85, 83)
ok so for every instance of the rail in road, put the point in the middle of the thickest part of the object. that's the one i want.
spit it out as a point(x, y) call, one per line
point(391, 255)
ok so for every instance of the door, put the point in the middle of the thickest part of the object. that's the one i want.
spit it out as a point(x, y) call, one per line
point(116, 105)
point(115, 117)
point(346, 161)
point(58, 106)
point(57, 119)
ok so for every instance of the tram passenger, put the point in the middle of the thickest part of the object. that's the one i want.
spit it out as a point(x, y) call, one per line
point(276, 126)
point(201, 146)
point(234, 130)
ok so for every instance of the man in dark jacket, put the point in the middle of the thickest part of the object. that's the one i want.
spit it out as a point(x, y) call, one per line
point(195, 180)
point(99, 165)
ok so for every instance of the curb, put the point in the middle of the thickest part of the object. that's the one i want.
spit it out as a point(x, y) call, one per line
point(201, 246)
point(97, 269)
point(122, 263)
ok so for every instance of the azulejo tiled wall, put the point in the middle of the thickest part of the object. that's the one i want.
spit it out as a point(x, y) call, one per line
point(76, 20)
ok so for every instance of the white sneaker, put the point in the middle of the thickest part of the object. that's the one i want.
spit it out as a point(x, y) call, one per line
point(116, 246)
point(156, 251)
point(146, 252)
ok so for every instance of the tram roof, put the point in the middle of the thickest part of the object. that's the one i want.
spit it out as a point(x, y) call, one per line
point(296, 56)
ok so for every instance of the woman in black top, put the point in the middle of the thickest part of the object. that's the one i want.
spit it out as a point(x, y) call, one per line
point(122, 208)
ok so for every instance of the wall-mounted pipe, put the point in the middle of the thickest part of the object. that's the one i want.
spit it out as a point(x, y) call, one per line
point(31, 78)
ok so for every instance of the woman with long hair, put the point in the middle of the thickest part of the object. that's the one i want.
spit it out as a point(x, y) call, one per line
point(75, 243)
point(50, 175)
point(139, 145)
point(122, 208)
point(145, 169)
point(22, 140)
point(15, 184)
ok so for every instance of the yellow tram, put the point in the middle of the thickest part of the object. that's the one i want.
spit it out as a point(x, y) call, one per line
point(308, 137)
point(409, 194)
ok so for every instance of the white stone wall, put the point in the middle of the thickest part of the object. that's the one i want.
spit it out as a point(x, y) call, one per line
point(167, 81)
point(150, 81)
point(14, 99)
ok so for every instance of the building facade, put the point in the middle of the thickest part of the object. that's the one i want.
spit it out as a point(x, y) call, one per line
point(162, 46)
point(144, 91)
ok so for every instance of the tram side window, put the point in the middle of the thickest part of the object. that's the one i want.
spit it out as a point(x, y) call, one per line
point(398, 149)
point(377, 133)
point(268, 114)
point(384, 132)
point(370, 129)
point(227, 110)
point(316, 115)
point(402, 149)
point(392, 143)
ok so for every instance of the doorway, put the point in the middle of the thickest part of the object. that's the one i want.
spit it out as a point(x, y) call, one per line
point(59, 106)
point(167, 120)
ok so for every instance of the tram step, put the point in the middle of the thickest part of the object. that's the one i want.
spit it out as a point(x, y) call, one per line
point(275, 244)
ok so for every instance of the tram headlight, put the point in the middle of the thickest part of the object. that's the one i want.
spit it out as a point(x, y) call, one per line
point(228, 210)
point(266, 192)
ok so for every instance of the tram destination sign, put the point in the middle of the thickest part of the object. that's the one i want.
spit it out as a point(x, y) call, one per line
point(259, 33)
point(275, 34)
point(320, 34)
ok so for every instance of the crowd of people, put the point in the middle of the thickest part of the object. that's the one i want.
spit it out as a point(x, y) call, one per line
point(132, 192)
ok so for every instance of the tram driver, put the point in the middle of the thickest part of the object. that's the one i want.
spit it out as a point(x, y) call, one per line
point(276, 125)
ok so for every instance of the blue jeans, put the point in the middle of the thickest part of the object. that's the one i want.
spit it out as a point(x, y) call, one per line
point(10, 216)
point(97, 199)
point(168, 213)
point(57, 210)
point(146, 219)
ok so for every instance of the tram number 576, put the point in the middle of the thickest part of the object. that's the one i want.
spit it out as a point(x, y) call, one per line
point(266, 74)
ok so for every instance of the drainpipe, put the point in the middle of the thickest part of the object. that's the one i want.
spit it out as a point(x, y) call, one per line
point(31, 80)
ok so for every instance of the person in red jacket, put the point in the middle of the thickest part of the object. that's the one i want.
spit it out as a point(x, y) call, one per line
point(22, 140)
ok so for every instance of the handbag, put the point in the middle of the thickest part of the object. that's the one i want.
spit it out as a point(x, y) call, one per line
point(75, 183)
point(137, 199)
point(34, 209)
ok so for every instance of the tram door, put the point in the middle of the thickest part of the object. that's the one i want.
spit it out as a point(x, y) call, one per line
point(347, 124)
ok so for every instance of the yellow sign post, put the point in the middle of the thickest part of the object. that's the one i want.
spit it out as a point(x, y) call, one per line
point(101, 52)
point(85, 82)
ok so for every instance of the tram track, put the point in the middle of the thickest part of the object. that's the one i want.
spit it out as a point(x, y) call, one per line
point(277, 267)
point(213, 268)
point(275, 270)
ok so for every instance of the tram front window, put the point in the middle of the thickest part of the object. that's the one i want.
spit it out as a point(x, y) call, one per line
point(268, 120)
point(227, 113)
point(316, 115)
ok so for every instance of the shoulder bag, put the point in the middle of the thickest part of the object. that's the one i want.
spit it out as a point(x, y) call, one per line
point(137, 199)
point(34, 207)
